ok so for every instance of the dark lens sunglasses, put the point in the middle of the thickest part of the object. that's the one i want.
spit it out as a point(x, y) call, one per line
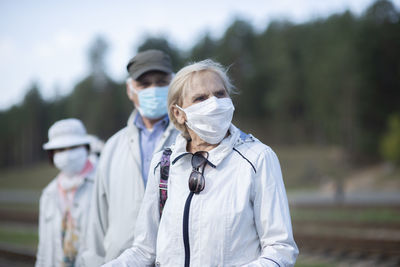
point(196, 178)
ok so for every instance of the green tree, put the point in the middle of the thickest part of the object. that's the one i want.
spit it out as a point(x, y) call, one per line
point(379, 53)
point(97, 96)
point(390, 142)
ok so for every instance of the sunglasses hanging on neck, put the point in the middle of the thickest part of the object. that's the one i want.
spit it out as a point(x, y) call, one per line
point(196, 178)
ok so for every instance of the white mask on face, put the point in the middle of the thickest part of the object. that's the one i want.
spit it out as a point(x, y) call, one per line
point(72, 161)
point(210, 119)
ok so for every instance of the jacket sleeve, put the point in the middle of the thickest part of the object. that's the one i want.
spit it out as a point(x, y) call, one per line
point(94, 251)
point(143, 251)
point(271, 214)
point(40, 255)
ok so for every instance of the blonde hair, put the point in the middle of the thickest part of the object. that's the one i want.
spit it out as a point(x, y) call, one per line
point(181, 84)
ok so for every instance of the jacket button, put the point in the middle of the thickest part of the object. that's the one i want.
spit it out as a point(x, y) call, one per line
point(158, 264)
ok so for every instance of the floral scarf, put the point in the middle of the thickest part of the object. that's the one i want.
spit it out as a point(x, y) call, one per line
point(67, 187)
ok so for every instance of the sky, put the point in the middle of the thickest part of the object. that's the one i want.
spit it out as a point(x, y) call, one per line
point(46, 41)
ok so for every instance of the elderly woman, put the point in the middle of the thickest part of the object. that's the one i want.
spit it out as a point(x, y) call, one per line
point(226, 203)
point(64, 203)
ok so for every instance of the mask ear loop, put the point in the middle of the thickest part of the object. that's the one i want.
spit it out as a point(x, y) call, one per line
point(187, 123)
point(176, 105)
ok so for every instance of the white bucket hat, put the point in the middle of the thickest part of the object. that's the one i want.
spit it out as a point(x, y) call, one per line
point(96, 144)
point(67, 133)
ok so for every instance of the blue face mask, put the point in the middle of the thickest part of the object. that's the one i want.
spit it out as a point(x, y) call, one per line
point(153, 102)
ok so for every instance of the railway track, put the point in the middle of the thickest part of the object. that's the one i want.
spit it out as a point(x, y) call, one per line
point(382, 252)
point(14, 256)
point(11, 216)
point(373, 241)
point(339, 240)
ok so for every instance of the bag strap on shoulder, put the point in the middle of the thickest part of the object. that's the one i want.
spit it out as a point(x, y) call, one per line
point(164, 174)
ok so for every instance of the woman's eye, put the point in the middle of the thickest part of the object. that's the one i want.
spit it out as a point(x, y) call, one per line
point(221, 94)
point(199, 99)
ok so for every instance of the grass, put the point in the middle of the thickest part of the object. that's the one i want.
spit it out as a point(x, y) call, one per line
point(359, 215)
point(32, 179)
point(305, 167)
point(30, 207)
point(19, 235)
point(302, 167)
point(391, 173)
point(35, 177)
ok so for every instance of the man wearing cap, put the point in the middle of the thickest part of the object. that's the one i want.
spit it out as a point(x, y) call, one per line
point(125, 160)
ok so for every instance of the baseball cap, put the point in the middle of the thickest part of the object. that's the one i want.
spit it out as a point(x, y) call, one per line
point(149, 60)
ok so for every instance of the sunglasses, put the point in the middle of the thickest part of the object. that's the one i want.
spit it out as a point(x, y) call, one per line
point(196, 178)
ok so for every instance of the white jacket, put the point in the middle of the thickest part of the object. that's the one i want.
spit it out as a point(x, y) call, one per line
point(50, 251)
point(119, 190)
point(241, 218)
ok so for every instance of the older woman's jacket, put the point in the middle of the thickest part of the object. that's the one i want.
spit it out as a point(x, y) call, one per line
point(241, 218)
point(50, 251)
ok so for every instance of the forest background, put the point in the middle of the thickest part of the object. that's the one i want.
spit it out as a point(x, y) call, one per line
point(332, 81)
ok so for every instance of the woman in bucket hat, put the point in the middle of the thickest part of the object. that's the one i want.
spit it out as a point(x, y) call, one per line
point(64, 203)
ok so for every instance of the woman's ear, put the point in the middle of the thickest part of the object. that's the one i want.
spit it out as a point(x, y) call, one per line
point(178, 114)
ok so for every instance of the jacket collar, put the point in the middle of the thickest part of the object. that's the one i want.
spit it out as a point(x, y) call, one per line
point(217, 154)
point(139, 123)
point(168, 132)
point(90, 175)
point(133, 133)
point(131, 120)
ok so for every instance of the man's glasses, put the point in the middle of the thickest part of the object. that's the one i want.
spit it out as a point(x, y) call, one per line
point(196, 178)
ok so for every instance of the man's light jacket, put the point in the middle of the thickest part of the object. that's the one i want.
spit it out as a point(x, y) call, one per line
point(118, 194)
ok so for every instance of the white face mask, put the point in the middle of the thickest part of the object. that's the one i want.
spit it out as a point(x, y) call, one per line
point(210, 119)
point(71, 161)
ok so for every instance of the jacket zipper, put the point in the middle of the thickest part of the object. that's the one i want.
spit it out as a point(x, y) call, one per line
point(186, 229)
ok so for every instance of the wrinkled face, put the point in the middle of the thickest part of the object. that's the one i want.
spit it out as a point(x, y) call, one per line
point(147, 80)
point(203, 85)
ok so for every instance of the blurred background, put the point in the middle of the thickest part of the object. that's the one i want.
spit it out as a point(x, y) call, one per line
point(318, 81)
